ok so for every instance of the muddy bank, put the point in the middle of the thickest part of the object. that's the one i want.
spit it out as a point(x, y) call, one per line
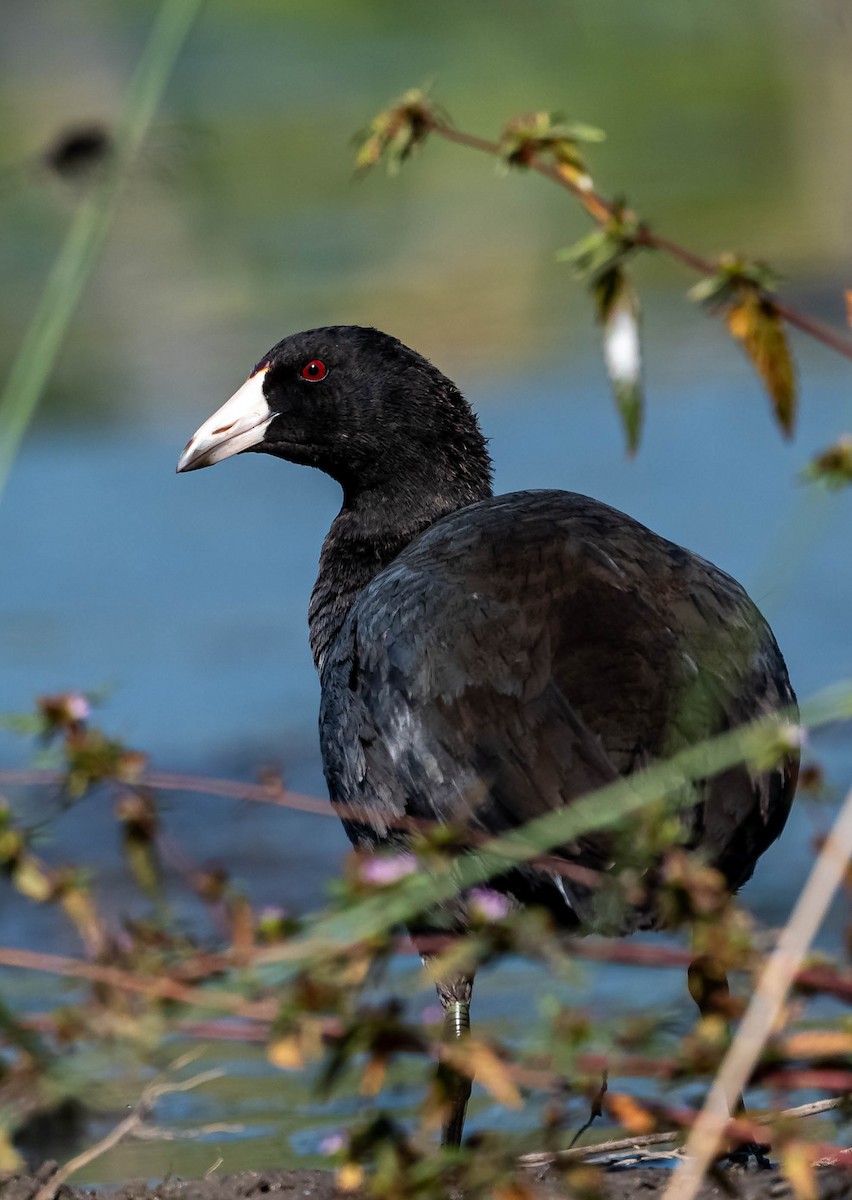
point(638, 1183)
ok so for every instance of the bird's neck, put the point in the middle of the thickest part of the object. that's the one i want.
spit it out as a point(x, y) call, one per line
point(368, 533)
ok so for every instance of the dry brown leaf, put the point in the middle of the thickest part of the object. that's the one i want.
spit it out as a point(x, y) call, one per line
point(80, 907)
point(374, 1076)
point(355, 970)
point(512, 1191)
point(349, 1177)
point(629, 1113)
point(754, 321)
point(797, 1165)
point(477, 1059)
point(286, 1053)
point(740, 321)
point(819, 1043)
point(10, 1159)
point(31, 881)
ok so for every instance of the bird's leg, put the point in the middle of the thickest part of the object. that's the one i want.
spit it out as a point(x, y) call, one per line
point(455, 997)
point(708, 987)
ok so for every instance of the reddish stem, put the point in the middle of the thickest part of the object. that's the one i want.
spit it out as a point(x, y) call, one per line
point(600, 209)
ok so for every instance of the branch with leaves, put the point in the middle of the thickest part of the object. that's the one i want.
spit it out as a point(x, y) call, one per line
point(89, 228)
point(741, 291)
point(299, 983)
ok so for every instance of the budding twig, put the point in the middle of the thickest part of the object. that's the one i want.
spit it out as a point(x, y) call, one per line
point(160, 1086)
point(666, 1137)
point(602, 210)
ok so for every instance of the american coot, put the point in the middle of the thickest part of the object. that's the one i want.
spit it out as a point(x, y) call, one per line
point(484, 658)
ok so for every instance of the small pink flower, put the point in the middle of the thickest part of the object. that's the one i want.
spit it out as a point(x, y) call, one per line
point(382, 869)
point(488, 905)
point(77, 706)
point(270, 921)
point(333, 1143)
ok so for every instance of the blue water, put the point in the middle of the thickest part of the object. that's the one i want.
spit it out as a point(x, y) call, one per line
point(186, 597)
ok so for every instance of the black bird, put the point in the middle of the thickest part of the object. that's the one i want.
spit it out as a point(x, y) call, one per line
point(485, 659)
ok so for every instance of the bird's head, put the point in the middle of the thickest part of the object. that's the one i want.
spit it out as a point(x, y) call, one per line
point(357, 404)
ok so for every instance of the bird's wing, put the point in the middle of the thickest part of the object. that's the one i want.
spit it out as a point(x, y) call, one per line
point(520, 654)
point(734, 674)
point(475, 732)
point(452, 690)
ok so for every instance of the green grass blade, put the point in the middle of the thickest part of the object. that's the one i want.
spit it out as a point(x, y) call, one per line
point(89, 226)
point(602, 809)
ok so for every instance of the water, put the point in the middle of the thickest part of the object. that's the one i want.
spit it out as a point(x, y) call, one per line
point(187, 598)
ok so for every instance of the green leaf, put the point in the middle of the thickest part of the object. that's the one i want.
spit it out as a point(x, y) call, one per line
point(395, 132)
point(734, 274)
point(599, 258)
point(832, 468)
point(711, 291)
point(618, 312)
point(547, 135)
point(582, 133)
point(590, 254)
point(630, 402)
point(595, 254)
point(87, 231)
point(605, 248)
point(28, 724)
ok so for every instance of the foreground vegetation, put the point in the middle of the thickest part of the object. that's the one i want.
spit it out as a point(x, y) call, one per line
point(307, 984)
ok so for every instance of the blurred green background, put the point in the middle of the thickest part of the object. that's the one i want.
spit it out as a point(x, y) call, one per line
point(727, 125)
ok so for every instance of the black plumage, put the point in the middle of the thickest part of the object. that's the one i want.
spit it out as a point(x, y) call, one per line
point(531, 647)
point(486, 659)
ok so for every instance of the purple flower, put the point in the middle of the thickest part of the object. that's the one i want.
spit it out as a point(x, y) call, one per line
point(270, 921)
point(384, 869)
point(488, 905)
point(77, 707)
point(333, 1143)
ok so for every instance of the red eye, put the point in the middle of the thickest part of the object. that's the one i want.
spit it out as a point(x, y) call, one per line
point(314, 371)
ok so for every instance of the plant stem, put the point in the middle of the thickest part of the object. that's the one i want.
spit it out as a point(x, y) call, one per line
point(766, 1004)
point(90, 224)
point(601, 210)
